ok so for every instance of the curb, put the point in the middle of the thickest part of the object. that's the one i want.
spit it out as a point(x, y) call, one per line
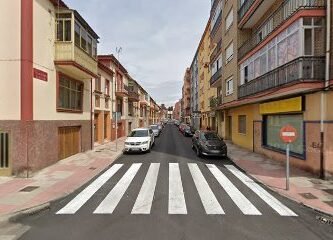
point(16, 216)
point(283, 194)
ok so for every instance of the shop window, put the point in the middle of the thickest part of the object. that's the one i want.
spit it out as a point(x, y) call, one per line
point(242, 124)
point(272, 127)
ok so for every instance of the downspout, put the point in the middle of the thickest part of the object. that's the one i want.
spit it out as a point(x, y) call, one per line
point(326, 85)
point(91, 118)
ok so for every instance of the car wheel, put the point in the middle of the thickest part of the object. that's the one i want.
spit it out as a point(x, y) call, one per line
point(198, 152)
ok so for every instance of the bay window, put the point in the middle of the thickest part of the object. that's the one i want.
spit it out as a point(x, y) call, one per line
point(70, 94)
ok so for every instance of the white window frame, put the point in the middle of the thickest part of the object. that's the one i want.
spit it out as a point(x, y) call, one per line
point(229, 88)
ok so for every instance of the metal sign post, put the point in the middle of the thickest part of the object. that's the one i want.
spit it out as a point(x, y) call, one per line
point(288, 135)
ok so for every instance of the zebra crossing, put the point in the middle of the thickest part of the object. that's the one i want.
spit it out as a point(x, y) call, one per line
point(177, 204)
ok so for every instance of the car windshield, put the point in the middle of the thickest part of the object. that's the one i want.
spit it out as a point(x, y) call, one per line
point(210, 136)
point(139, 133)
point(154, 127)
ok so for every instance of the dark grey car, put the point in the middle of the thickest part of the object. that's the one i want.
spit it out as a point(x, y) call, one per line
point(208, 143)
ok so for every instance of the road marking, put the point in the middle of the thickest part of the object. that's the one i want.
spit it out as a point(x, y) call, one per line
point(145, 198)
point(111, 201)
point(74, 205)
point(262, 193)
point(239, 199)
point(177, 203)
point(207, 196)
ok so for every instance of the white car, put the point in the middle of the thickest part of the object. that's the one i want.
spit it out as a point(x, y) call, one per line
point(140, 140)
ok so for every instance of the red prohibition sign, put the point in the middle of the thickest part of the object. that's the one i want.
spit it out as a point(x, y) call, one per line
point(288, 134)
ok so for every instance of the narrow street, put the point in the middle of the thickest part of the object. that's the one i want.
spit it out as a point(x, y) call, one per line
point(170, 193)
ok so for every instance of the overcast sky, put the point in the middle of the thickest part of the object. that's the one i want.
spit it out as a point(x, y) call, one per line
point(158, 37)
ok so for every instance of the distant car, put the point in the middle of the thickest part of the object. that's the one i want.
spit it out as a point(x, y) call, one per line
point(140, 140)
point(188, 131)
point(160, 127)
point(176, 123)
point(181, 127)
point(156, 130)
point(208, 143)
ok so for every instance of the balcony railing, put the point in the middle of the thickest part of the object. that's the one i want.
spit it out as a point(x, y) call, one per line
point(213, 102)
point(216, 51)
point(283, 13)
point(244, 8)
point(216, 25)
point(216, 76)
point(121, 89)
point(299, 70)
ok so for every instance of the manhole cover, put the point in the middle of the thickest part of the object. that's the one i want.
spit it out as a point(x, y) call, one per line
point(329, 191)
point(325, 220)
point(308, 195)
point(29, 189)
point(330, 203)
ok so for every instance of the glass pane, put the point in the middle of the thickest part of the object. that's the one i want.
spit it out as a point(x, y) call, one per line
point(77, 34)
point(68, 30)
point(271, 59)
point(307, 21)
point(272, 131)
point(308, 41)
point(282, 52)
point(89, 45)
point(293, 43)
point(60, 28)
point(319, 39)
point(83, 39)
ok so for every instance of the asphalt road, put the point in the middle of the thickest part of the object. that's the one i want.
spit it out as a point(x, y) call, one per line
point(177, 197)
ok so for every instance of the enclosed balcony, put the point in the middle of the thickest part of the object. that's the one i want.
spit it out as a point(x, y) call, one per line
point(133, 94)
point(75, 46)
point(303, 69)
point(121, 90)
point(275, 20)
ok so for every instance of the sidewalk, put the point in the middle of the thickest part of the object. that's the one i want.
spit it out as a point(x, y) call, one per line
point(304, 187)
point(56, 181)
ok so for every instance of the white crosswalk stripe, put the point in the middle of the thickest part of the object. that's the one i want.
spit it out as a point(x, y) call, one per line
point(74, 205)
point(262, 193)
point(113, 198)
point(145, 198)
point(207, 196)
point(177, 203)
point(239, 199)
point(144, 201)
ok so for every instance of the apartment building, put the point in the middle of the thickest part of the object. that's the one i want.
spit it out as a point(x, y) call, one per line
point(103, 103)
point(271, 67)
point(47, 62)
point(177, 111)
point(133, 104)
point(144, 108)
point(194, 96)
point(124, 122)
point(207, 94)
point(186, 97)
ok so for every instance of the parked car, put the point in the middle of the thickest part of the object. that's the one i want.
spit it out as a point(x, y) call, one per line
point(181, 127)
point(140, 140)
point(176, 123)
point(188, 131)
point(208, 143)
point(156, 130)
point(160, 127)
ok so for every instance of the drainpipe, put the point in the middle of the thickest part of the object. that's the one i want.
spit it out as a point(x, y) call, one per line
point(323, 93)
point(91, 118)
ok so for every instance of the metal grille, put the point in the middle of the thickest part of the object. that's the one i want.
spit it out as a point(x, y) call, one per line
point(4, 150)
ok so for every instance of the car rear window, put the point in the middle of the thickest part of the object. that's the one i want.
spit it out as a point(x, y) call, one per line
point(154, 127)
point(139, 133)
point(210, 136)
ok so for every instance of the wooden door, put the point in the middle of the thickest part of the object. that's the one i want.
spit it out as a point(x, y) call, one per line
point(69, 141)
point(96, 126)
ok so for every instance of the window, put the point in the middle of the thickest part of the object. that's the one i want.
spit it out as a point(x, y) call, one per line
point(98, 84)
point(229, 19)
point(89, 45)
point(70, 94)
point(64, 29)
point(242, 124)
point(217, 13)
point(229, 86)
point(97, 101)
point(77, 34)
point(84, 40)
point(107, 103)
point(229, 53)
point(107, 87)
point(272, 126)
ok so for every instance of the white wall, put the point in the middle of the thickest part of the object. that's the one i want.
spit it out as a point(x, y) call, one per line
point(10, 54)
point(45, 93)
